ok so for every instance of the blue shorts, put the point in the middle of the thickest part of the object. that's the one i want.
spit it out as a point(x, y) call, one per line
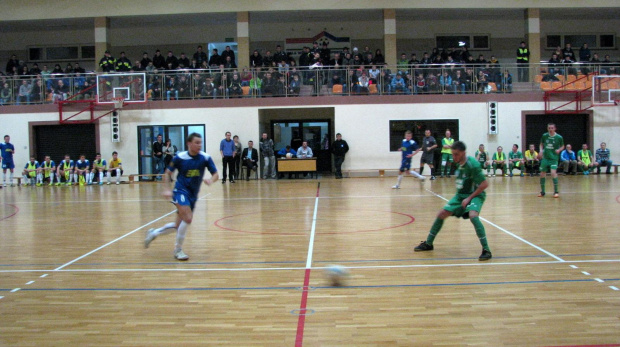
point(8, 164)
point(183, 199)
point(405, 164)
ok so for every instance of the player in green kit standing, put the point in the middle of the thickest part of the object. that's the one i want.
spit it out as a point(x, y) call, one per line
point(467, 203)
point(551, 145)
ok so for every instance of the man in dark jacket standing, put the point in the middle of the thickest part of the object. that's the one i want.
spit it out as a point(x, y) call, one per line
point(340, 149)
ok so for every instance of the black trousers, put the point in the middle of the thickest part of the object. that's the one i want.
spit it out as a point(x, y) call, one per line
point(228, 163)
point(338, 160)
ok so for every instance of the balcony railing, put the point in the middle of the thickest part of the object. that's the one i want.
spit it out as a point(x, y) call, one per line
point(307, 81)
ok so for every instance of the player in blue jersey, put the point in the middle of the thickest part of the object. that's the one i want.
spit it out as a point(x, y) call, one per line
point(6, 156)
point(82, 171)
point(65, 169)
point(191, 166)
point(46, 171)
point(409, 148)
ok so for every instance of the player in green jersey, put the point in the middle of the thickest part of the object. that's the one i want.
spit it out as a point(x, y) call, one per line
point(467, 203)
point(515, 160)
point(551, 145)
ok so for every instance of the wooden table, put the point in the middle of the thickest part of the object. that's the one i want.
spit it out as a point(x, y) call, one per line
point(297, 165)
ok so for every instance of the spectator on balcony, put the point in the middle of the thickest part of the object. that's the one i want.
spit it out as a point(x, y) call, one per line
point(281, 88)
point(414, 59)
point(523, 60)
point(483, 83)
point(256, 84)
point(183, 87)
point(159, 61)
point(553, 65)
point(569, 65)
point(352, 85)
point(294, 86)
point(215, 60)
point(368, 59)
point(246, 76)
point(183, 60)
point(194, 65)
point(426, 60)
point(505, 84)
point(280, 55)
point(234, 87)
point(445, 81)
point(347, 60)
point(79, 84)
point(208, 89)
point(432, 83)
point(37, 91)
point(403, 63)
point(172, 61)
point(419, 84)
point(336, 61)
point(68, 69)
point(356, 53)
point(434, 54)
point(61, 91)
point(172, 87)
point(145, 60)
point(24, 93)
point(568, 52)
point(256, 60)
point(229, 53)
point(25, 72)
point(123, 64)
point(458, 82)
point(398, 84)
point(77, 68)
point(378, 59)
point(229, 64)
point(13, 62)
point(606, 66)
point(584, 53)
point(268, 59)
point(268, 86)
point(200, 56)
point(558, 51)
point(35, 70)
point(315, 48)
point(6, 94)
point(150, 68)
point(364, 82)
point(465, 54)
point(155, 87)
point(137, 66)
point(107, 63)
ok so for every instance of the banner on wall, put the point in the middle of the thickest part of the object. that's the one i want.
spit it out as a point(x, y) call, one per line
point(334, 43)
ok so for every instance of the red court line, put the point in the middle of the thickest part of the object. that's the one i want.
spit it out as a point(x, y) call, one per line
point(616, 345)
point(618, 200)
point(14, 213)
point(301, 321)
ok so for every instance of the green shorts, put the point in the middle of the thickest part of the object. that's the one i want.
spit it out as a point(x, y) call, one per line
point(547, 164)
point(454, 205)
point(446, 158)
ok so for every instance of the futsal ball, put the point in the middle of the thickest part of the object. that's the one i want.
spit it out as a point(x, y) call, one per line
point(336, 275)
point(289, 155)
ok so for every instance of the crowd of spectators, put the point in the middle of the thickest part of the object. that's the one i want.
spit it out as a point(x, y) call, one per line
point(451, 70)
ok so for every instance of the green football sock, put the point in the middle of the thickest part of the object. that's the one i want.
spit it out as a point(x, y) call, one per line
point(542, 184)
point(555, 184)
point(434, 231)
point(482, 236)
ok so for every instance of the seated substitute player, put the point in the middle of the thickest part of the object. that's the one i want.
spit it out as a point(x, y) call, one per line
point(46, 170)
point(65, 169)
point(551, 145)
point(585, 160)
point(531, 161)
point(30, 172)
point(499, 160)
point(191, 165)
point(467, 203)
point(482, 156)
point(408, 148)
point(602, 159)
point(100, 167)
point(515, 160)
point(115, 168)
point(82, 170)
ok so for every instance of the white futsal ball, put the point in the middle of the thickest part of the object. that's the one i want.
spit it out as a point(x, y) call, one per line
point(289, 155)
point(336, 275)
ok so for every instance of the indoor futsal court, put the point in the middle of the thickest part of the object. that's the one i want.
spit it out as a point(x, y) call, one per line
point(258, 251)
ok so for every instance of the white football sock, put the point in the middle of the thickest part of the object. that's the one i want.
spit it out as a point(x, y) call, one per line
point(400, 178)
point(100, 176)
point(118, 175)
point(415, 174)
point(181, 236)
point(166, 229)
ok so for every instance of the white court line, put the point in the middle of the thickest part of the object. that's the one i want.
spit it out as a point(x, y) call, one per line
point(43, 276)
point(574, 267)
point(317, 267)
point(15, 290)
point(29, 283)
point(117, 239)
point(585, 273)
point(599, 280)
point(312, 232)
point(509, 233)
point(1, 297)
point(612, 287)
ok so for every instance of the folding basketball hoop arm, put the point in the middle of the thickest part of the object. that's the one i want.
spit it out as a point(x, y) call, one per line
point(89, 106)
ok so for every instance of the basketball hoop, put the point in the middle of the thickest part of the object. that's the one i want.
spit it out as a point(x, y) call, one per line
point(118, 102)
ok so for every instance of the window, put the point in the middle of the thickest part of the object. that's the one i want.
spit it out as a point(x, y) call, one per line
point(437, 127)
point(479, 42)
point(594, 41)
point(60, 53)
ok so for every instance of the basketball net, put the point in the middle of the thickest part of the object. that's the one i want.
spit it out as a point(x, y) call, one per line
point(118, 102)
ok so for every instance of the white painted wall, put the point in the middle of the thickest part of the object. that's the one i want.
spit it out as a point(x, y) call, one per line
point(364, 127)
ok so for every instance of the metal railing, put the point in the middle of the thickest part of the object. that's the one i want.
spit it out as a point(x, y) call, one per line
point(306, 81)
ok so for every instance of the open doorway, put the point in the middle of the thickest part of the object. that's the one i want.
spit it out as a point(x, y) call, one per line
point(292, 126)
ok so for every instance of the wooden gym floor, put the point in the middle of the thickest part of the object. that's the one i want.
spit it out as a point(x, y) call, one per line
point(74, 272)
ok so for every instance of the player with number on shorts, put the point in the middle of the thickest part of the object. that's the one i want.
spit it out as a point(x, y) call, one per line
point(408, 148)
point(191, 165)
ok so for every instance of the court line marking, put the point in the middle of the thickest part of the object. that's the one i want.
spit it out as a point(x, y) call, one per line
point(509, 233)
point(585, 273)
point(11, 215)
point(599, 280)
point(315, 267)
point(318, 287)
point(29, 283)
point(118, 238)
point(613, 287)
point(15, 290)
point(301, 320)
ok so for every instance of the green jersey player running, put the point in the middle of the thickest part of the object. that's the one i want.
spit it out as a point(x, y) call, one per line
point(467, 203)
point(551, 145)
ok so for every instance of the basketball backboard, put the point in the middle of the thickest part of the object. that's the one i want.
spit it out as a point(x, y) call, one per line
point(130, 86)
point(605, 90)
